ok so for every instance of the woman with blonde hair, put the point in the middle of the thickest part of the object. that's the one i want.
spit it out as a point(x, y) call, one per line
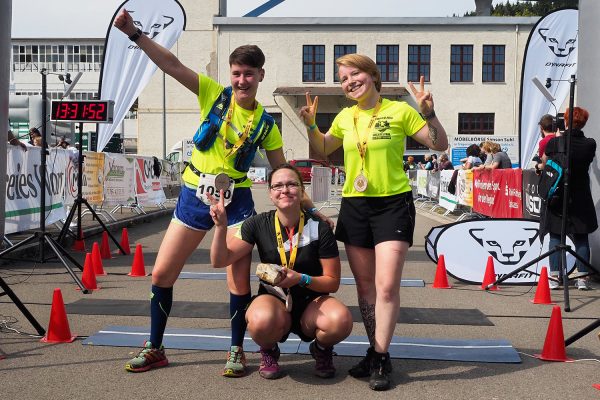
point(377, 215)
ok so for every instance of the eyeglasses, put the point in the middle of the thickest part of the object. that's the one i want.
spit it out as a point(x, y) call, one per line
point(291, 186)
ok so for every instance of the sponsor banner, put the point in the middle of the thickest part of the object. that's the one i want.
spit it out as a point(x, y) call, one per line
point(512, 243)
point(118, 179)
point(446, 199)
point(92, 186)
point(149, 191)
point(23, 183)
point(422, 182)
point(170, 178)
point(433, 185)
point(551, 53)
point(125, 68)
point(258, 174)
point(498, 193)
point(532, 203)
point(509, 144)
point(464, 187)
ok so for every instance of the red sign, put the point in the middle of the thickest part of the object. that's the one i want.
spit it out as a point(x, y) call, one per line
point(498, 193)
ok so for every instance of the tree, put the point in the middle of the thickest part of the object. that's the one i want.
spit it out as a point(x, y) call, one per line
point(528, 8)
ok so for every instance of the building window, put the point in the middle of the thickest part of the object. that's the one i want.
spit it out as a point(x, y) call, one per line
point(387, 60)
point(412, 144)
point(476, 123)
point(461, 63)
point(493, 63)
point(419, 62)
point(313, 63)
point(53, 57)
point(338, 51)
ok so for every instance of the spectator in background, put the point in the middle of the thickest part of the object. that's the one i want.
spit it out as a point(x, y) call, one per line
point(444, 163)
point(12, 139)
point(33, 133)
point(581, 211)
point(472, 160)
point(37, 141)
point(548, 130)
point(428, 163)
point(434, 161)
point(410, 164)
point(482, 153)
point(500, 160)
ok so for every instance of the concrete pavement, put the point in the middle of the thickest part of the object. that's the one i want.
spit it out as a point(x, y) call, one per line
point(32, 369)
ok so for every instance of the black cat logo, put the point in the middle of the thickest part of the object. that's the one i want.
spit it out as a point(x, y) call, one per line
point(153, 29)
point(559, 49)
point(509, 250)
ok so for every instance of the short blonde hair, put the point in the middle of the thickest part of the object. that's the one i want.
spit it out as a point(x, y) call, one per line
point(363, 63)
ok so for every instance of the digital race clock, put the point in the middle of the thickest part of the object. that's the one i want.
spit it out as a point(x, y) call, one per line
point(99, 111)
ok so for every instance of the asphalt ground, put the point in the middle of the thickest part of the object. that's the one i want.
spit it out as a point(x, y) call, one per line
point(31, 369)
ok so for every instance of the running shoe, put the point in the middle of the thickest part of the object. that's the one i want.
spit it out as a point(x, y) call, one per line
point(380, 379)
point(236, 363)
point(324, 361)
point(269, 368)
point(363, 368)
point(150, 357)
point(582, 284)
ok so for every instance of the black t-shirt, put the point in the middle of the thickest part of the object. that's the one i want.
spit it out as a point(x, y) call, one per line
point(317, 242)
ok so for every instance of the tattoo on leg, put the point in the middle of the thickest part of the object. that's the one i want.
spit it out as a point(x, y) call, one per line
point(367, 311)
point(433, 133)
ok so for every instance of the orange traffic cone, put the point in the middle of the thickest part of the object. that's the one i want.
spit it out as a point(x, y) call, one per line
point(137, 268)
point(554, 345)
point(542, 293)
point(125, 241)
point(104, 247)
point(89, 276)
point(79, 245)
point(97, 260)
point(58, 327)
point(441, 278)
point(490, 275)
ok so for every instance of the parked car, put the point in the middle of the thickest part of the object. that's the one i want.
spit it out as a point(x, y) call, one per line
point(305, 165)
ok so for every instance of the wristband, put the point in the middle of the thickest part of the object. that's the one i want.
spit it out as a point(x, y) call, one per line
point(430, 116)
point(311, 127)
point(312, 210)
point(305, 280)
point(136, 35)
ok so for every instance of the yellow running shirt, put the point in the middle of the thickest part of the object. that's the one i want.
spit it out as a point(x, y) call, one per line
point(385, 147)
point(211, 160)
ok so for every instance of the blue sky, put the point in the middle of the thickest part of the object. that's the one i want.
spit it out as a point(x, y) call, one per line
point(90, 18)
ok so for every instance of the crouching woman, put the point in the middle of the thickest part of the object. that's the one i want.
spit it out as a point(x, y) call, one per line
point(299, 301)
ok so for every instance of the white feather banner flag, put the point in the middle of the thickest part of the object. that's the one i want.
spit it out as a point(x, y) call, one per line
point(126, 70)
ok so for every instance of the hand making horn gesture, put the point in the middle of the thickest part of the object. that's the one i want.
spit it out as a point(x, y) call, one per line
point(217, 209)
point(424, 98)
point(309, 111)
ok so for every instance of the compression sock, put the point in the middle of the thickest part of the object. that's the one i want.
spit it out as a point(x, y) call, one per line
point(161, 300)
point(237, 312)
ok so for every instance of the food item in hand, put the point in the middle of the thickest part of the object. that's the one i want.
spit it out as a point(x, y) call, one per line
point(270, 273)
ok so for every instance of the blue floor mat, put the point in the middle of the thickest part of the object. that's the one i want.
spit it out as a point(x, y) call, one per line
point(344, 281)
point(470, 350)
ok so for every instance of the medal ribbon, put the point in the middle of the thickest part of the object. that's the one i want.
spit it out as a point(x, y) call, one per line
point(293, 247)
point(228, 124)
point(361, 143)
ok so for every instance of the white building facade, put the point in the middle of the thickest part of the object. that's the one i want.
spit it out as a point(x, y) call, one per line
point(472, 66)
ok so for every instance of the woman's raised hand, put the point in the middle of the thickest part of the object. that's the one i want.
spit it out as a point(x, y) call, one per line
point(424, 98)
point(217, 210)
point(308, 113)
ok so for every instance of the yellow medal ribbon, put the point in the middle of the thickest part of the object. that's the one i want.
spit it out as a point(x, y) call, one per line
point(247, 128)
point(361, 143)
point(293, 247)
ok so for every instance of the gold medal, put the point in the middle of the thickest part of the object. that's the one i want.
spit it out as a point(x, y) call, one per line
point(221, 182)
point(361, 183)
